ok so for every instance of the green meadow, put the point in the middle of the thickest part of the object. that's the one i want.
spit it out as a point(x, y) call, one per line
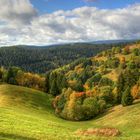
point(27, 114)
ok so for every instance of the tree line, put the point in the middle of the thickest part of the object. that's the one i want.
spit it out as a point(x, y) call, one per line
point(44, 59)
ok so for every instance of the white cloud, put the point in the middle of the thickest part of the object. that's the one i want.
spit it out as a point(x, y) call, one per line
point(81, 24)
point(16, 11)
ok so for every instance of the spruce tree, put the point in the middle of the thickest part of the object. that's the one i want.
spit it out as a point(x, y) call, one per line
point(54, 89)
point(47, 83)
point(79, 86)
point(127, 98)
point(120, 88)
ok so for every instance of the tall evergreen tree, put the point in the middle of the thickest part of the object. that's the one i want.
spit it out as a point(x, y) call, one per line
point(54, 89)
point(120, 88)
point(127, 98)
point(47, 83)
point(78, 86)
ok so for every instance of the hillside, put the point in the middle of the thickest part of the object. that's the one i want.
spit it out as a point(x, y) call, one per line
point(86, 87)
point(99, 93)
point(42, 59)
point(26, 114)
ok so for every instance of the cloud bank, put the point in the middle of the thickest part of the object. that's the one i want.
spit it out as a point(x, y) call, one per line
point(20, 24)
point(18, 11)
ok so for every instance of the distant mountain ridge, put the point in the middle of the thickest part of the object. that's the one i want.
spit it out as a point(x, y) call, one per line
point(75, 43)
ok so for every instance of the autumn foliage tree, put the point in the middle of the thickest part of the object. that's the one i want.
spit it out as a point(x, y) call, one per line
point(135, 91)
point(126, 50)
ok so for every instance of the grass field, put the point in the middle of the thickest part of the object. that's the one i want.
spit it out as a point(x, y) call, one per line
point(26, 114)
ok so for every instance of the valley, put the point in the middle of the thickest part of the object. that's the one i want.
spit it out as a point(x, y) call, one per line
point(24, 117)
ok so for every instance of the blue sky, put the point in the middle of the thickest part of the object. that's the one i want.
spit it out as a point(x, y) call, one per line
point(53, 5)
point(45, 22)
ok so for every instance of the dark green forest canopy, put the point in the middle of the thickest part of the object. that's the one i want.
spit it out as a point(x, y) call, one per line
point(43, 59)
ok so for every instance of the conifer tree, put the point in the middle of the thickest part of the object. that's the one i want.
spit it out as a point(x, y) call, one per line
point(54, 89)
point(47, 83)
point(127, 98)
point(120, 88)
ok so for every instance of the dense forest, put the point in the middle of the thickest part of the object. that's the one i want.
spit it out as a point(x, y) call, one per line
point(43, 59)
point(88, 86)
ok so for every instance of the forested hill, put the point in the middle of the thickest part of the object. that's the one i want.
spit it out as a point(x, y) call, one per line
point(87, 87)
point(42, 59)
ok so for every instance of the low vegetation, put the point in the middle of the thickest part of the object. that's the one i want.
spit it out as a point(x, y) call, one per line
point(26, 114)
point(99, 132)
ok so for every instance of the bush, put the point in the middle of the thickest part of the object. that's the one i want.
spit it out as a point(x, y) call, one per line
point(91, 107)
point(102, 105)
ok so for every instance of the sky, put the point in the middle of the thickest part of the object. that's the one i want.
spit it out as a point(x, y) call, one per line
point(45, 22)
point(53, 5)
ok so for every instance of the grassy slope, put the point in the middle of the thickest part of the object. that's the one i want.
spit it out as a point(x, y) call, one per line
point(26, 114)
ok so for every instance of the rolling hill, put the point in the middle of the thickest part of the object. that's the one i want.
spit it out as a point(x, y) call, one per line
point(26, 114)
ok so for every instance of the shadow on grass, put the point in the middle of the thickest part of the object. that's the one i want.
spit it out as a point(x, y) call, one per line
point(108, 111)
point(136, 101)
point(14, 137)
